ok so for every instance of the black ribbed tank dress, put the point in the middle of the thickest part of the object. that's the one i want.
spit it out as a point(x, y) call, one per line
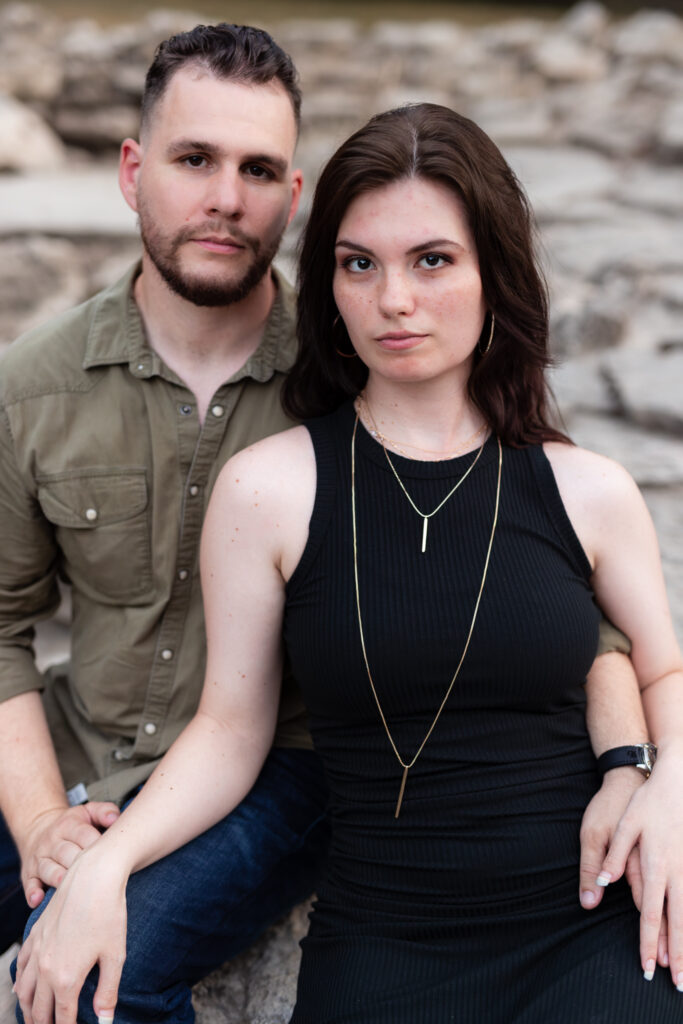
point(465, 908)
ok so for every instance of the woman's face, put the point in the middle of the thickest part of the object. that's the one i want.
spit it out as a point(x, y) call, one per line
point(406, 281)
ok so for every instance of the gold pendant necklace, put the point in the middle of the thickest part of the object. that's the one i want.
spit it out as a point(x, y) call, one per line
point(409, 764)
point(374, 431)
point(424, 516)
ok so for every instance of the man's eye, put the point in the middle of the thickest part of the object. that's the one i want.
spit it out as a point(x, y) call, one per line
point(358, 264)
point(257, 171)
point(195, 160)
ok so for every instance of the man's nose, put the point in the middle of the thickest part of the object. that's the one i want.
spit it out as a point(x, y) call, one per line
point(224, 194)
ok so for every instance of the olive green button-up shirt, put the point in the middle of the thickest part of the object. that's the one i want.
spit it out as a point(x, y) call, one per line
point(105, 475)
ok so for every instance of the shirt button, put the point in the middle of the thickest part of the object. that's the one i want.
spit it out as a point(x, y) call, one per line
point(150, 728)
point(217, 411)
point(185, 410)
point(141, 366)
point(194, 490)
point(118, 755)
point(167, 654)
point(91, 514)
point(183, 574)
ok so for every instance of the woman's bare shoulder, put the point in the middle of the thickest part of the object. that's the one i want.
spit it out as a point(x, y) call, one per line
point(275, 466)
point(596, 479)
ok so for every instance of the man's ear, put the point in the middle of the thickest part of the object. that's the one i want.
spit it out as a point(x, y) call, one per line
point(297, 185)
point(130, 160)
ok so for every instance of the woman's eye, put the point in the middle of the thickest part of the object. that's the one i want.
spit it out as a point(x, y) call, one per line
point(433, 259)
point(358, 264)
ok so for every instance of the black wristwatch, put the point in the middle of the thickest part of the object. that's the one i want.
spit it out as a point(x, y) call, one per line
point(640, 755)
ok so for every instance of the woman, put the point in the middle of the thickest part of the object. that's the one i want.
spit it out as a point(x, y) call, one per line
point(432, 545)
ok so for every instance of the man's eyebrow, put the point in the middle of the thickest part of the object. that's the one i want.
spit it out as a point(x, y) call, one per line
point(182, 147)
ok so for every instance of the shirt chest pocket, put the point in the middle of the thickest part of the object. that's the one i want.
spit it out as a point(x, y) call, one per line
point(102, 526)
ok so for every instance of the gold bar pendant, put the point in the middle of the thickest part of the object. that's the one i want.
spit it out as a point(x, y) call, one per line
point(403, 786)
point(425, 524)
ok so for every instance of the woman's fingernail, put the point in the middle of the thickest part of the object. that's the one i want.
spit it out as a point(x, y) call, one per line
point(588, 898)
point(665, 959)
point(679, 982)
point(105, 1020)
point(649, 971)
point(603, 879)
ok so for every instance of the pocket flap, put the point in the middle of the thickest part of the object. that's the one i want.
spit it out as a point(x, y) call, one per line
point(88, 499)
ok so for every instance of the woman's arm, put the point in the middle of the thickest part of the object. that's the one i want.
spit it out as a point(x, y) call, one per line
point(616, 531)
point(251, 535)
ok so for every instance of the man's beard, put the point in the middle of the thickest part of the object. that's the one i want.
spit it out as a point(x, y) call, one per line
point(200, 291)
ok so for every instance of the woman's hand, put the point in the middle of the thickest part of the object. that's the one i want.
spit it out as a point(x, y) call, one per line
point(653, 823)
point(83, 926)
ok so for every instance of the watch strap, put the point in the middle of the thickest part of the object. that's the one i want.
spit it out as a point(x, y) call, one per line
point(639, 755)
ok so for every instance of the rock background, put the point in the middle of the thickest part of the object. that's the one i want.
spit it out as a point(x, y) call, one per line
point(587, 108)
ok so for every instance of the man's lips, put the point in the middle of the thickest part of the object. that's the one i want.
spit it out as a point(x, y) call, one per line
point(224, 245)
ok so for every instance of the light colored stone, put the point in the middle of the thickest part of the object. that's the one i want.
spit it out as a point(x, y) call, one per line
point(258, 987)
point(7, 1000)
point(648, 35)
point(648, 388)
point(666, 507)
point(636, 243)
point(579, 386)
point(587, 21)
point(652, 459)
point(42, 277)
point(555, 176)
point(562, 58)
point(652, 188)
point(671, 129)
point(31, 74)
point(76, 202)
point(26, 141)
point(97, 128)
point(513, 121)
point(411, 37)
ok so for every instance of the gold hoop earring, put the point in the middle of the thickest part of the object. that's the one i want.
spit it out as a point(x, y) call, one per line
point(483, 351)
point(344, 355)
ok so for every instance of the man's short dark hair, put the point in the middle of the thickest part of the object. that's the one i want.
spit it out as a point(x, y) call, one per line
point(236, 52)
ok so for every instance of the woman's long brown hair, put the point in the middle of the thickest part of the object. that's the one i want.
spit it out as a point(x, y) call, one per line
point(436, 144)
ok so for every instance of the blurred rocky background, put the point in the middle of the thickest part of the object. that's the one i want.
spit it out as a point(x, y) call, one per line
point(587, 107)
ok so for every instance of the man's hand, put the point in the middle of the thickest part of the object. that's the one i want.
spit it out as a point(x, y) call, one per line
point(55, 839)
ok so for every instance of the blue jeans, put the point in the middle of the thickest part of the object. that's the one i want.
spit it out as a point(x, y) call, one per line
point(203, 904)
point(14, 909)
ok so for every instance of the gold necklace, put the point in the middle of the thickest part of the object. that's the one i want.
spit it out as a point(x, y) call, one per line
point(375, 432)
point(425, 516)
point(409, 764)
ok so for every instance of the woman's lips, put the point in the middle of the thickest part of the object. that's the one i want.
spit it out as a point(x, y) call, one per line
point(398, 340)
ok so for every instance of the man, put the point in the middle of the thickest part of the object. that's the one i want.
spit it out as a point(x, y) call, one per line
point(116, 418)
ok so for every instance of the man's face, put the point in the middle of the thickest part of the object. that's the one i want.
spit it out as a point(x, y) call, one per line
point(212, 183)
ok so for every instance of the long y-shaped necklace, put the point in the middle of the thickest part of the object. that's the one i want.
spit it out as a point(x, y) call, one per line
point(407, 765)
point(425, 516)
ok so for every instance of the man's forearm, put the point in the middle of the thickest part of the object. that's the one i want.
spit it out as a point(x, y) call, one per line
point(30, 780)
point(614, 709)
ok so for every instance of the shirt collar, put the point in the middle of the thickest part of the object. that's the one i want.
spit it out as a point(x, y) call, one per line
point(117, 334)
